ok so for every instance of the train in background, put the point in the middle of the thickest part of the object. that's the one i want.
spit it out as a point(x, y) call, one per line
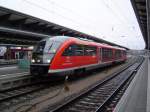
point(62, 55)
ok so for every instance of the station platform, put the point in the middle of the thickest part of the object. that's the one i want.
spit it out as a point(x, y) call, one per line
point(8, 70)
point(137, 96)
point(4, 62)
point(8, 67)
point(14, 75)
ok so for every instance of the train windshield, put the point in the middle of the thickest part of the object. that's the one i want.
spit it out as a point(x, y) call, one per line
point(47, 47)
point(40, 47)
point(44, 51)
point(51, 47)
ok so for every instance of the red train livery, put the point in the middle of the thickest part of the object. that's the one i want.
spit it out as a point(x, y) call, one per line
point(64, 55)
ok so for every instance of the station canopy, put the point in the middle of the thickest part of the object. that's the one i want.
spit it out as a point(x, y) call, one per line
point(141, 7)
point(22, 29)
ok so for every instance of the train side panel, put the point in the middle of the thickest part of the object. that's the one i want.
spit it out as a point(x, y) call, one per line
point(61, 61)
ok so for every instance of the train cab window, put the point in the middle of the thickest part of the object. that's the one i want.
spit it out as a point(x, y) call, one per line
point(40, 47)
point(90, 50)
point(79, 51)
point(51, 47)
point(54, 47)
point(69, 51)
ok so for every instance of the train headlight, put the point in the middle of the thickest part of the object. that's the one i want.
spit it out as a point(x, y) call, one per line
point(48, 61)
point(33, 61)
point(38, 61)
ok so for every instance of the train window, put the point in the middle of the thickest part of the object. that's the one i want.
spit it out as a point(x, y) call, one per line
point(107, 53)
point(117, 54)
point(123, 53)
point(48, 47)
point(40, 47)
point(110, 53)
point(51, 47)
point(70, 51)
point(54, 47)
point(90, 50)
point(79, 51)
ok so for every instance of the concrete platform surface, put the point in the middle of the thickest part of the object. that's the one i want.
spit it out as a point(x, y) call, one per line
point(148, 87)
point(7, 70)
point(136, 98)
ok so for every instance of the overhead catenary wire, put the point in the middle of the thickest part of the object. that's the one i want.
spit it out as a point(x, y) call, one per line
point(56, 13)
point(69, 10)
point(120, 16)
point(81, 17)
point(112, 11)
point(116, 14)
point(85, 25)
point(120, 9)
point(80, 22)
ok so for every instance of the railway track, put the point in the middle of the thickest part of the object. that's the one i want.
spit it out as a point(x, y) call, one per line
point(10, 97)
point(104, 95)
point(14, 96)
point(17, 80)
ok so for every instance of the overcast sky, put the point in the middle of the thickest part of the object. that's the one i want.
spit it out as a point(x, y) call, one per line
point(111, 20)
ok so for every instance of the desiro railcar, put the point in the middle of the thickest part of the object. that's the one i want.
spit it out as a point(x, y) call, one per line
point(62, 55)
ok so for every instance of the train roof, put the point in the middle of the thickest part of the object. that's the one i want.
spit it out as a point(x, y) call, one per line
point(57, 38)
point(99, 44)
point(82, 40)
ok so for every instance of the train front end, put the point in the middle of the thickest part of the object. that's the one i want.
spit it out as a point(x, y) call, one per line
point(43, 54)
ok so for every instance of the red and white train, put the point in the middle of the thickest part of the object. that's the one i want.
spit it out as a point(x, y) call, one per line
point(62, 55)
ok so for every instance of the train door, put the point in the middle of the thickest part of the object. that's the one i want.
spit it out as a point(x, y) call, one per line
point(68, 58)
point(91, 55)
point(79, 55)
point(100, 55)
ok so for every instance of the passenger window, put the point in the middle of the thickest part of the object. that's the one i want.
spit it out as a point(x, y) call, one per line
point(79, 50)
point(118, 54)
point(90, 50)
point(70, 51)
point(107, 53)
